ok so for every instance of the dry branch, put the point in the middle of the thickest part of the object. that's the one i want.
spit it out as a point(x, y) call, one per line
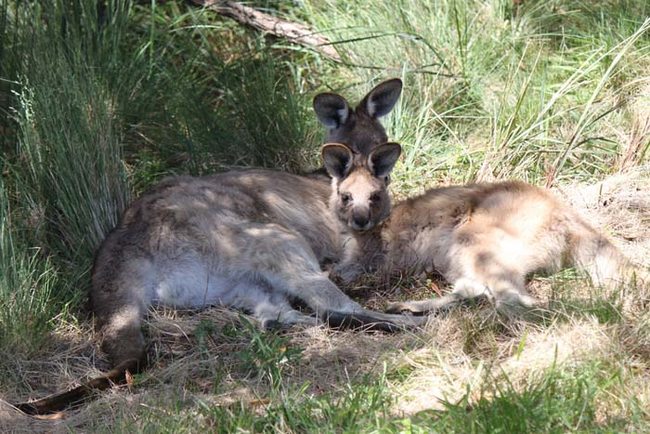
point(294, 32)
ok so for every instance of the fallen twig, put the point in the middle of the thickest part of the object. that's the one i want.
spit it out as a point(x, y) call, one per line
point(294, 32)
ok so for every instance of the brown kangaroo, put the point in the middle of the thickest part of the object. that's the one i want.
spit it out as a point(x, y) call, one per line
point(485, 239)
point(251, 240)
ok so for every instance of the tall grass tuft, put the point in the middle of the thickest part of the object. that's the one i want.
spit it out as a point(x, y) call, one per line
point(69, 148)
point(62, 158)
point(273, 117)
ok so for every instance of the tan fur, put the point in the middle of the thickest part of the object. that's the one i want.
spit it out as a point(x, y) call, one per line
point(359, 196)
point(485, 239)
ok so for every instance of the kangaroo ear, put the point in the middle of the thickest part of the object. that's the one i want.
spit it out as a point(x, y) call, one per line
point(337, 159)
point(331, 109)
point(381, 100)
point(382, 159)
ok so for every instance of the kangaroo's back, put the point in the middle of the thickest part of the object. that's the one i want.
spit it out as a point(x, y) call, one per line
point(487, 238)
point(534, 229)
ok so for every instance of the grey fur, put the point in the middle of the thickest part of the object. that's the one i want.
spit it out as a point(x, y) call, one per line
point(358, 129)
point(252, 240)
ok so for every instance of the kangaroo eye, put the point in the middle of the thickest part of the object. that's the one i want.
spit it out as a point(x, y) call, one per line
point(346, 198)
point(375, 197)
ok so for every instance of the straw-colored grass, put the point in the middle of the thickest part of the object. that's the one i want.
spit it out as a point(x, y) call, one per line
point(97, 105)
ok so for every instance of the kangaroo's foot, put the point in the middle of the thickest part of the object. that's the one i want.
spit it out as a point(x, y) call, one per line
point(466, 291)
point(369, 320)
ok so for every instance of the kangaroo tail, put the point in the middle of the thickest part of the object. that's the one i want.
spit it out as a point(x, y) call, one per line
point(81, 393)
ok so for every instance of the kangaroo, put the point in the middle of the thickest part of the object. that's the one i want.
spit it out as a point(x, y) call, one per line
point(484, 239)
point(251, 240)
point(358, 129)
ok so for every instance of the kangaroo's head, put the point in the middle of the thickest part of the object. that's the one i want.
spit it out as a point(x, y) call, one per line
point(360, 183)
point(358, 129)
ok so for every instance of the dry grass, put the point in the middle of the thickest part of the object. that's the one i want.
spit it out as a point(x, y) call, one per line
point(198, 358)
point(619, 206)
point(490, 93)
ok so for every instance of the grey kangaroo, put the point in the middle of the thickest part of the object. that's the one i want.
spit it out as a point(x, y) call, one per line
point(484, 239)
point(252, 240)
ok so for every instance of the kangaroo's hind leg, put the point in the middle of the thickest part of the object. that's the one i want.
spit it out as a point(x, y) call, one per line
point(287, 263)
point(270, 308)
point(332, 305)
point(483, 264)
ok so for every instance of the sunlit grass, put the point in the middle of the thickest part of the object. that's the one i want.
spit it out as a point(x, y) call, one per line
point(497, 93)
point(98, 104)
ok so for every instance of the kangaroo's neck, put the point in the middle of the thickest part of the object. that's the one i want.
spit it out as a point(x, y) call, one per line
point(371, 248)
point(385, 246)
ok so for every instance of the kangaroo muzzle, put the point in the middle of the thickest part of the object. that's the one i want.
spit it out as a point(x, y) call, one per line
point(361, 220)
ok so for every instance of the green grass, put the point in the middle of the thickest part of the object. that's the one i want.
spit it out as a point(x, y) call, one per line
point(98, 104)
point(556, 402)
point(363, 407)
point(266, 355)
point(526, 92)
point(26, 286)
point(562, 399)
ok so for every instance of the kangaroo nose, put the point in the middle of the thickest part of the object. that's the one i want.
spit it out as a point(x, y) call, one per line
point(361, 221)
